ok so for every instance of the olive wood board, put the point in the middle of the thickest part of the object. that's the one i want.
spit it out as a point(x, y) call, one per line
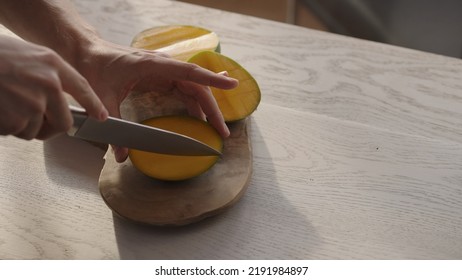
point(141, 199)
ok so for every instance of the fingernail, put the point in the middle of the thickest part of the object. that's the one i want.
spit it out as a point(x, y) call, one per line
point(223, 73)
point(235, 81)
point(227, 132)
point(226, 74)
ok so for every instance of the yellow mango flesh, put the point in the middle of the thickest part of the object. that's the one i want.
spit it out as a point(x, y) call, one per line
point(237, 103)
point(178, 41)
point(173, 167)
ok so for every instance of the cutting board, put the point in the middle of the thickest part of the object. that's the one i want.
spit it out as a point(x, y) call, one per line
point(141, 199)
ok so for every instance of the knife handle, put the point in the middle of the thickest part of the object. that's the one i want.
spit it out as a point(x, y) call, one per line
point(79, 115)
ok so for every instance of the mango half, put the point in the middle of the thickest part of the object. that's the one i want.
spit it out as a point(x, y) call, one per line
point(178, 41)
point(238, 103)
point(173, 167)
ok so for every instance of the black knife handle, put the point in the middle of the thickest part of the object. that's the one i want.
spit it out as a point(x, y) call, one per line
point(79, 115)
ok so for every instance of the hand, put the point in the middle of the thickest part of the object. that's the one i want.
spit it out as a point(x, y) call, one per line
point(33, 82)
point(114, 70)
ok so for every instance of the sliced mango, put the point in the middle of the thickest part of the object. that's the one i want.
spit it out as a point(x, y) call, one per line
point(237, 103)
point(178, 41)
point(172, 167)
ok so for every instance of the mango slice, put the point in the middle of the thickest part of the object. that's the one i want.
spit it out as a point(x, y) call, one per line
point(237, 103)
point(172, 167)
point(178, 41)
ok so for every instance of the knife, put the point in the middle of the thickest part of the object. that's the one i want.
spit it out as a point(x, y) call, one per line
point(132, 135)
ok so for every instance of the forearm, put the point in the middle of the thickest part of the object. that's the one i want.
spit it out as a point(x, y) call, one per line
point(52, 23)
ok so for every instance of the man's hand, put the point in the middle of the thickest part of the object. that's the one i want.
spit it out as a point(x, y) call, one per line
point(33, 82)
point(113, 70)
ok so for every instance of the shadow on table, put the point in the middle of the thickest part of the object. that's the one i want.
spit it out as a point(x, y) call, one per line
point(76, 157)
point(263, 225)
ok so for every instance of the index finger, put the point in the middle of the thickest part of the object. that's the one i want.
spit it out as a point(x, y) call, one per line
point(204, 97)
point(172, 69)
point(194, 73)
point(77, 86)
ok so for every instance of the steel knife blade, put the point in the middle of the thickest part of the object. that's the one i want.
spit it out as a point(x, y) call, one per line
point(132, 135)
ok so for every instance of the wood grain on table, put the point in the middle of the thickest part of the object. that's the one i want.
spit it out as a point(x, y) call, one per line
point(357, 150)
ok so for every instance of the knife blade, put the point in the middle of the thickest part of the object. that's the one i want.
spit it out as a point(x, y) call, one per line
point(132, 135)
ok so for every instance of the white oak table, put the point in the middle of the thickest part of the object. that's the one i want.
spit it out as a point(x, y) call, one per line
point(357, 155)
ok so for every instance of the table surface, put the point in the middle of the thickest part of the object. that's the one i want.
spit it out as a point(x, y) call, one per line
point(357, 150)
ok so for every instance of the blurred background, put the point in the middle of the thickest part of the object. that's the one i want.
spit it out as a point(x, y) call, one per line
point(427, 25)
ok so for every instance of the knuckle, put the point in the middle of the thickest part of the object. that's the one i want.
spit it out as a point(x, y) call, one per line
point(41, 81)
point(158, 54)
point(164, 55)
point(137, 56)
point(83, 84)
point(190, 71)
point(49, 86)
point(47, 56)
point(149, 58)
point(144, 60)
point(51, 83)
point(13, 128)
